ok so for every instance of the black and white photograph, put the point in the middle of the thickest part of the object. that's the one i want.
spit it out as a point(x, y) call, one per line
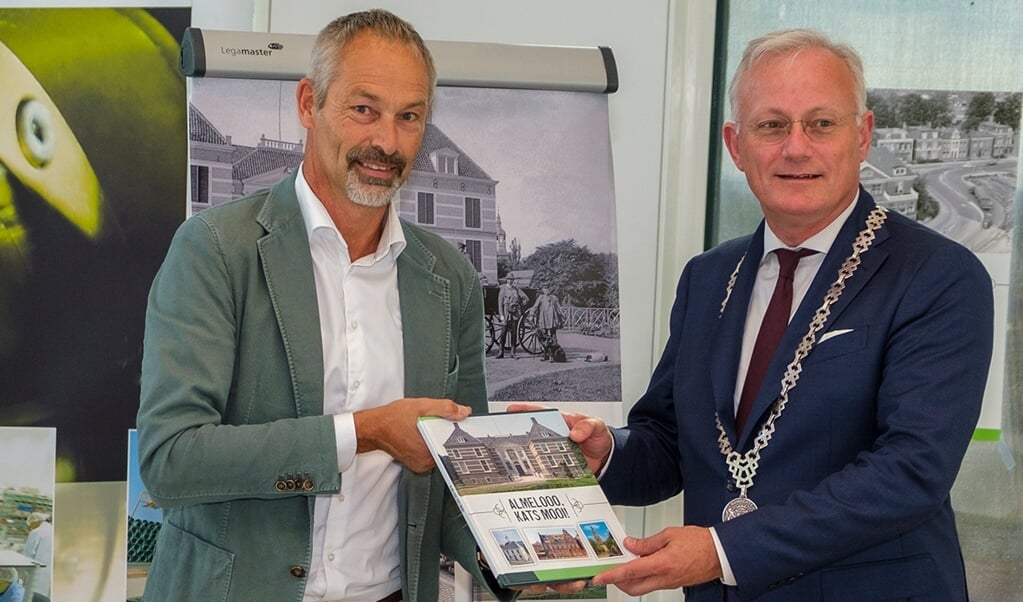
point(518, 180)
point(947, 116)
point(946, 158)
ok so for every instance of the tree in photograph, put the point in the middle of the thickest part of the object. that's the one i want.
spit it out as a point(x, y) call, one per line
point(884, 113)
point(1007, 111)
point(575, 274)
point(916, 109)
point(980, 109)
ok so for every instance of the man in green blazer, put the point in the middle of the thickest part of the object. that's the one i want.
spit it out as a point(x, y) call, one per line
point(293, 337)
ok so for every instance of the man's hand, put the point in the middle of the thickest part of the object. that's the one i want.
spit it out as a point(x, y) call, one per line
point(392, 428)
point(672, 558)
point(592, 435)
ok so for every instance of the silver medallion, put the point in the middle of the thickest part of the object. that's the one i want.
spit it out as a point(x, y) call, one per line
point(737, 507)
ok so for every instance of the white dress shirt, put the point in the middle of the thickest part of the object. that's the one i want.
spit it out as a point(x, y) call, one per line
point(355, 533)
point(763, 289)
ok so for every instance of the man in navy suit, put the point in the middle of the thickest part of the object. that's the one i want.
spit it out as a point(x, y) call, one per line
point(837, 487)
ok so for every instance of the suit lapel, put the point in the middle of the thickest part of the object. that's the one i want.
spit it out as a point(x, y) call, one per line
point(425, 299)
point(726, 346)
point(870, 261)
point(288, 269)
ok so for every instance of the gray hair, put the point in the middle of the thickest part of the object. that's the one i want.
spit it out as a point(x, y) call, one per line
point(8, 574)
point(37, 517)
point(333, 38)
point(791, 42)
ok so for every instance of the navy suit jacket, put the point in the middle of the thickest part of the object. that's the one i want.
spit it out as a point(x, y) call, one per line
point(853, 488)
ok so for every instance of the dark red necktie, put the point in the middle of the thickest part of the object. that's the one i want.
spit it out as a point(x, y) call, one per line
point(776, 320)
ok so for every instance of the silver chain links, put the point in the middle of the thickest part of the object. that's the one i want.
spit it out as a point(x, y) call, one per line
point(743, 467)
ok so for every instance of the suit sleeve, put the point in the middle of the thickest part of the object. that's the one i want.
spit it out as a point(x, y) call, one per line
point(931, 375)
point(645, 467)
point(189, 453)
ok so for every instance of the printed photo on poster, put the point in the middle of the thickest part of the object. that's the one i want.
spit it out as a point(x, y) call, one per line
point(518, 180)
point(92, 186)
point(144, 521)
point(27, 488)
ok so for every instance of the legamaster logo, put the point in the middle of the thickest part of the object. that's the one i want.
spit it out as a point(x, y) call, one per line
point(268, 51)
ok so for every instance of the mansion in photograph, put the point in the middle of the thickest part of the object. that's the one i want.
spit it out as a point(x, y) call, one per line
point(890, 181)
point(923, 144)
point(446, 192)
point(540, 453)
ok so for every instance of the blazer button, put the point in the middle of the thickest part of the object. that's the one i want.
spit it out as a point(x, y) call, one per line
point(280, 486)
point(298, 572)
point(307, 485)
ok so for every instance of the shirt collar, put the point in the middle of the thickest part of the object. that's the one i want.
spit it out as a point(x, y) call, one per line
point(315, 216)
point(820, 242)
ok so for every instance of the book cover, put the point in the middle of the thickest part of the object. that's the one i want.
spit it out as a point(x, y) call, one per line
point(529, 498)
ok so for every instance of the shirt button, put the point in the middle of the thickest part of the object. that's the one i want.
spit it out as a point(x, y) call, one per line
point(355, 385)
point(340, 497)
point(355, 324)
point(330, 557)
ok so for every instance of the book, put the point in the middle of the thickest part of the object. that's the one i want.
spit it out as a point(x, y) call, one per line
point(528, 496)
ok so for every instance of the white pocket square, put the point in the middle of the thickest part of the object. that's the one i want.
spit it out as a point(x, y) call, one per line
point(834, 333)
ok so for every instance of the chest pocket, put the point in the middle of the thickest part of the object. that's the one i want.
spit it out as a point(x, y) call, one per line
point(838, 344)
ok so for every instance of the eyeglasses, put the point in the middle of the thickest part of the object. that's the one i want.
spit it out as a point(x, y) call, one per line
point(819, 129)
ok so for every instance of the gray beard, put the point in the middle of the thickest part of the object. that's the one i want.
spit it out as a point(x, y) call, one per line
point(370, 194)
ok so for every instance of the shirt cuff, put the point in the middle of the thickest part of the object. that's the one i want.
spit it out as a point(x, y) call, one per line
point(726, 569)
point(607, 462)
point(344, 440)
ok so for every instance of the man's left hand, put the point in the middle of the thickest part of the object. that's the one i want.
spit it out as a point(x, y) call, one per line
point(672, 558)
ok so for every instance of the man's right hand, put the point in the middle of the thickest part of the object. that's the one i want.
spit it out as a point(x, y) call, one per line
point(591, 434)
point(392, 428)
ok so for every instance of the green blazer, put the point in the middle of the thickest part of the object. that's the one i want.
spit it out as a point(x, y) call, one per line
point(232, 403)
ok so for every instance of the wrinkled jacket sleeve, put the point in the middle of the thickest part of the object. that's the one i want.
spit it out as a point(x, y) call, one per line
point(212, 427)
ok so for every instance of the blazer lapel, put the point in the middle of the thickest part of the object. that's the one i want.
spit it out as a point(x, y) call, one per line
point(288, 269)
point(726, 346)
point(870, 261)
point(425, 299)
